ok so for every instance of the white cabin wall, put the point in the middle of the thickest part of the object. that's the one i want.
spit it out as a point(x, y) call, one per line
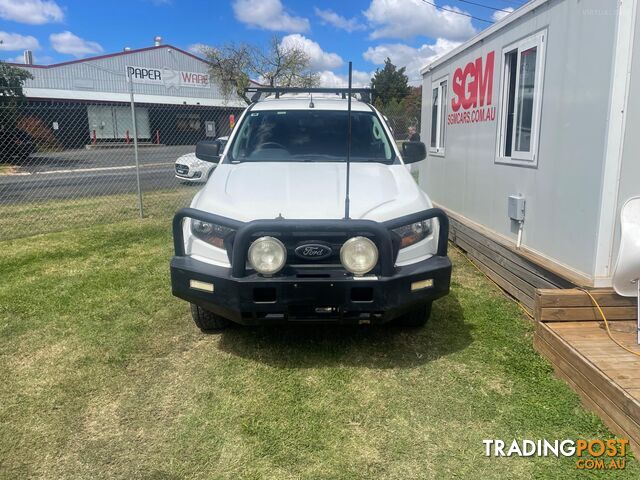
point(563, 191)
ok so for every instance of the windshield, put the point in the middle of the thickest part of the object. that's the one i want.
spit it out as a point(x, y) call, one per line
point(310, 135)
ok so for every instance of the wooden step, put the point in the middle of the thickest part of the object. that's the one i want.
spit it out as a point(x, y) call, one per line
point(606, 384)
point(574, 305)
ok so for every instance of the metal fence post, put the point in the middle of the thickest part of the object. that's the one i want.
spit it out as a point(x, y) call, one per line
point(135, 147)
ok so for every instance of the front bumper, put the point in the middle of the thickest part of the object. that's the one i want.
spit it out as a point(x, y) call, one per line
point(305, 296)
point(302, 292)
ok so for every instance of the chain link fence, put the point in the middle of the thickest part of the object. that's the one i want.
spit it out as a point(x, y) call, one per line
point(403, 115)
point(65, 164)
point(69, 164)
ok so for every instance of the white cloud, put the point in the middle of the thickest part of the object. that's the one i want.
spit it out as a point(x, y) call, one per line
point(269, 15)
point(67, 42)
point(37, 60)
point(33, 12)
point(498, 15)
point(17, 59)
point(332, 79)
point(410, 18)
point(413, 59)
point(197, 48)
point(319, 59)
point(15, 41)
point(338, 21)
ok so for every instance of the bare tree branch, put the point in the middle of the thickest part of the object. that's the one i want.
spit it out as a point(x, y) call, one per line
point(233, 66)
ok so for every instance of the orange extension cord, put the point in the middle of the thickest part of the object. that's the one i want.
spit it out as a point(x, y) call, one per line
point(606, 324)
point(522, 307)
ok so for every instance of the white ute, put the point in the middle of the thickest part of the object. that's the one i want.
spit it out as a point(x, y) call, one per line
point(272, 236)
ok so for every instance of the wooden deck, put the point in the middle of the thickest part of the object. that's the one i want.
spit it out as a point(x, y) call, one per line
point(572, 336)
point(569, 329)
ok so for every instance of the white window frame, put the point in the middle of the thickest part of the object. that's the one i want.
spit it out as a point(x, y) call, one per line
point(530, 158)
point(441, 117)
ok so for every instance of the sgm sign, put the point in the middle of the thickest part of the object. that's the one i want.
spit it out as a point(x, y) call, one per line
point(473, 92)
point(168, 78)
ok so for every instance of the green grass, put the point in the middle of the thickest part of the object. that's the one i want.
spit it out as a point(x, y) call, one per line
point(25, 219)
point(104, 376)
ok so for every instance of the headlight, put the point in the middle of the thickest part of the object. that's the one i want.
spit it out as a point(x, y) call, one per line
point(359, 255)
point(410, 234)
point(267, 255)
point(210, 232)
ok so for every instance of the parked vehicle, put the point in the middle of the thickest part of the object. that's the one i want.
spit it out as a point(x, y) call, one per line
point(287, 230)
point(190, 168)
point(15, 145)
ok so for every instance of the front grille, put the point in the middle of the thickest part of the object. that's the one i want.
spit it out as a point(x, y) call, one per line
point(293, 241)
point(308, 267)
point(182, 169)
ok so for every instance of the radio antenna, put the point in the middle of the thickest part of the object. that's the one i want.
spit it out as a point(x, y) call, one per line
point(346, 198)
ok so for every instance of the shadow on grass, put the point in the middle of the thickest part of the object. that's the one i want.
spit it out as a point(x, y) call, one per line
point(383, 346)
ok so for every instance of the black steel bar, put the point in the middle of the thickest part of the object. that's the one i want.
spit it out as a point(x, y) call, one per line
point(178, 238)
point(443, 219)
point(381, 232)
point(346, 196)
point(339, 90)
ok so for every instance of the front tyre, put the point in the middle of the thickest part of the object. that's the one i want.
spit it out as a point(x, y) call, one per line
point(416, 317)
point(207, 321)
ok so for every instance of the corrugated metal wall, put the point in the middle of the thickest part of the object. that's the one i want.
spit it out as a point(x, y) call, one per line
point(109, 75)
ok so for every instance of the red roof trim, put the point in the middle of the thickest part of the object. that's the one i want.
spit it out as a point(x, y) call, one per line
point(109, 55)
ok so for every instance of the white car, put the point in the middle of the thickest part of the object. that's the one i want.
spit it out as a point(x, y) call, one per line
point(190, 168)
point(295, 226)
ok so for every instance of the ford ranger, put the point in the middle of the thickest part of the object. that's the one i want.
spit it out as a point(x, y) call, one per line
point(311, 215)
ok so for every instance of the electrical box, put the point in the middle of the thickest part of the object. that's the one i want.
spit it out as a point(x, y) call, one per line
point(516, 207)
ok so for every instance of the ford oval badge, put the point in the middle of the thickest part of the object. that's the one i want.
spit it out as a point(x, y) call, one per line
point(313, 251)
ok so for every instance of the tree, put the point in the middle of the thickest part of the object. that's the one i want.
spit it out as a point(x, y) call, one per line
point(11, 81)
point(390, 84)
point(412, 104)
point(233, 66)
point(12, 143)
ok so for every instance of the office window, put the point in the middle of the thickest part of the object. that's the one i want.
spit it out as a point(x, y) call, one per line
point(523, 65)
point(438, 116)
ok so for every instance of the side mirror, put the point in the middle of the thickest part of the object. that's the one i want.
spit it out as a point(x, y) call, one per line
point(413, 152)
point(208, 150)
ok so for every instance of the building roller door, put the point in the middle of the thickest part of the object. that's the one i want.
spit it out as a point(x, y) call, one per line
point(112, 122)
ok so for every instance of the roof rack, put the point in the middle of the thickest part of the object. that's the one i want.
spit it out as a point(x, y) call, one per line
point(365, 93)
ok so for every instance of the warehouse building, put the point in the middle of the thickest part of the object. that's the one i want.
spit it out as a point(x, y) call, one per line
point(88, 101)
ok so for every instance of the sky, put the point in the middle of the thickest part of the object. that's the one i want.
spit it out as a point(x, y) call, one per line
point(411, 33)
